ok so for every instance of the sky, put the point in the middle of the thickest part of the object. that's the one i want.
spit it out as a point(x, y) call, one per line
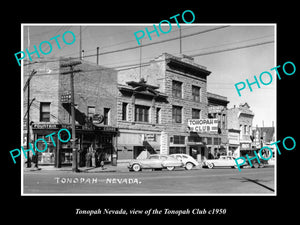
point(227, 68)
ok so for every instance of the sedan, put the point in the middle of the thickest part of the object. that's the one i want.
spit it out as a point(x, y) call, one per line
point(188, 161)
point(155, 161)
point(222, 161)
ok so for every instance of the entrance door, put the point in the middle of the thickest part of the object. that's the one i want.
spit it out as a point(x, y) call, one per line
point(202, 152)
point(194, 151)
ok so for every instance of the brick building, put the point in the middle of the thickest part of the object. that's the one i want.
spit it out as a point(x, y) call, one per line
point(156, 100)
point(217, 108)
point(240, 130)
point(95, 99)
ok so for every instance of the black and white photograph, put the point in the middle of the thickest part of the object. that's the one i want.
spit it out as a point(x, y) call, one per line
point(150, 109)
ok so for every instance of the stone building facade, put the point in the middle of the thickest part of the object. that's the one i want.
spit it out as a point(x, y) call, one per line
point(171, 90)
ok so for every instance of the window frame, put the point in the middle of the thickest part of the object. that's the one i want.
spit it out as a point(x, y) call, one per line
point(124, 112)
point(141, 113)
point(106, 120)
point(175, 114)
point(43, 113)
point(196, 95)
point(198, 111)
point(176, 89)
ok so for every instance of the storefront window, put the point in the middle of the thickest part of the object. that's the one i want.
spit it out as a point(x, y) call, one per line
point(217, 141)
point(179, 139)
point(209, 141)
point(174, 150)
point(46, 157)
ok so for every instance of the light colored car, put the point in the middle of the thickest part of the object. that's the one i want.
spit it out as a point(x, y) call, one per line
point(155, 161)
point(188, 161)
point(222, 161)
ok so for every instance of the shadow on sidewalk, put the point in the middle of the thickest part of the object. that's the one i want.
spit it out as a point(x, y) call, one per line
point(256, 181)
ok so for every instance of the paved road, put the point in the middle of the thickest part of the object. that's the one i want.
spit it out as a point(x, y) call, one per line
point(202, 181)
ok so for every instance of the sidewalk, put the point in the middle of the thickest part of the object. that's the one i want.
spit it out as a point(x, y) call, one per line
point(121, 167)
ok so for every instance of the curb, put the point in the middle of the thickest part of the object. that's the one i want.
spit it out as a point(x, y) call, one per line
point(82, 170)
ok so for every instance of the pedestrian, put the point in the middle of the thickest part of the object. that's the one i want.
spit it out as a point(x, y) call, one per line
point(101, 159)
point(34, 161)
point(97, 157)
point(87, 159)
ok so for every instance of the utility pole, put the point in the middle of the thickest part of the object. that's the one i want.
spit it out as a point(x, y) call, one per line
point(97, 55)
point(180, 50)
point(80, 44)
point(141, 60)
point(72, 64)
point(27, 85)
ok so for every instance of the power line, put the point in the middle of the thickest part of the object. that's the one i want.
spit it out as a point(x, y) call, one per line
point(231, 49)
point(149, 44)
point(162, 41)
point(135, 65)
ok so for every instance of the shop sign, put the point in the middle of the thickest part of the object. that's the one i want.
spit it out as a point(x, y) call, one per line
point(203, 125)
point(215, 109)
point(245, 146)
point(106, 128)
point(97, 118)
point(45, 126)
point(233, 138)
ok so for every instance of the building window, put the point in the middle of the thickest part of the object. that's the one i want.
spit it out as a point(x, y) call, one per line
point(141, 113)
point(91, 111)
point(174, 150)
point(45, 112)
point(209, 141)
point(224, 121)
point(217, 141)
point(177, 114)
point(106, 116)
point(124, 110)
point(196, 93)
point(245, 129)
point(195, 113)
point(177, 89)
point(195, 139)
point(179, 140)
point(158, 115)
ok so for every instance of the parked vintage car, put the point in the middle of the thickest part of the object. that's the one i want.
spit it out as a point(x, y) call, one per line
point(188, 161)
point(222, 161)
point(155, 161)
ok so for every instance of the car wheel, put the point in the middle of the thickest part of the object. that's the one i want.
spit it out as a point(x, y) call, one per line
point(136, 167)
point(256, 165)
point(210, 165)
point(170, 168)
point(189, 166)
